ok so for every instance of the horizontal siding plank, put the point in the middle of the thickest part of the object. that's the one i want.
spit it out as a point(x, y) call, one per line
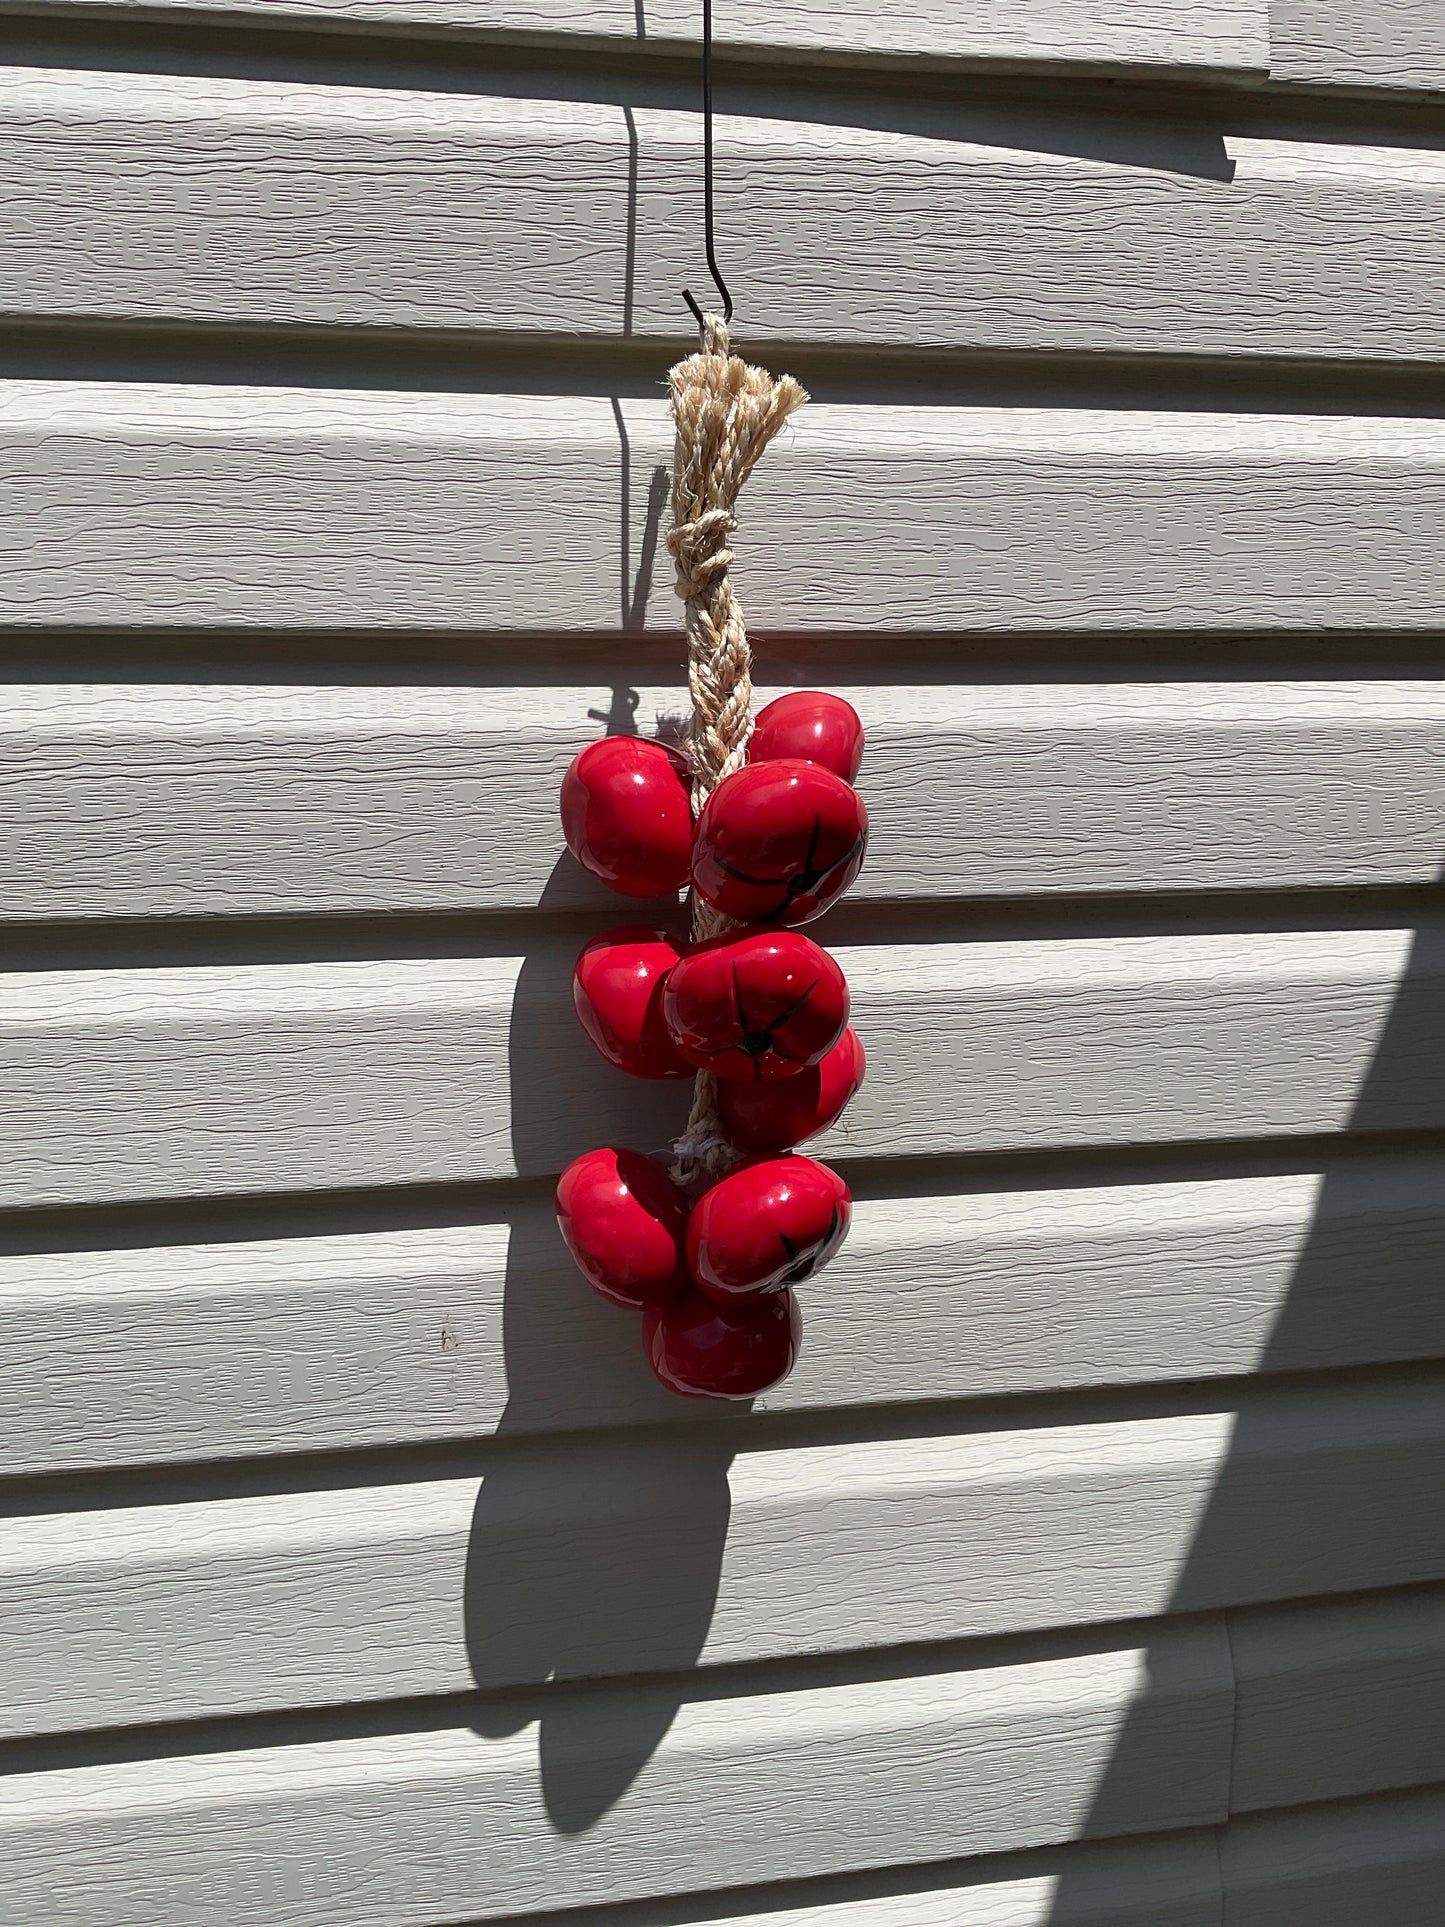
point(438, 1826)
point(1165, 1882)
point(130, 506)
point(182, 801)
point(1338, 1865)
point(1394, 44)
point(211, 200)
point(262, 1836)
point(1338, 1698)
point(1375, 1860)
point(620, 1560)
point(173, 1082)
point(212, 1351)
point(1158, 36)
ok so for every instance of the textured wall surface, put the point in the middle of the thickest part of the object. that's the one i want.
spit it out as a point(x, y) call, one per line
point(1088, 1572)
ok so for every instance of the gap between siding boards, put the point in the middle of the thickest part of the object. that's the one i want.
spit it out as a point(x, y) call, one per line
point(86, 945)
point(269, 44)
point(166, 1222)
point(495, 660)
point(428, 361)
point(244, 1732)
point(338, 1470)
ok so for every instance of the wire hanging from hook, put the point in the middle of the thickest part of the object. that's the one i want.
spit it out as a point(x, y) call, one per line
point(712, 266)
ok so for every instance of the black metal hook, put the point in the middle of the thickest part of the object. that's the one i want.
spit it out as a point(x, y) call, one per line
point(712, 266)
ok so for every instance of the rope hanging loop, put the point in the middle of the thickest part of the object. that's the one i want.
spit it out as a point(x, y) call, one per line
point(726, 413)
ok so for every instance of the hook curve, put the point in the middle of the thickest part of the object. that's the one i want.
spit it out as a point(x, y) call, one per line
point(707, 173)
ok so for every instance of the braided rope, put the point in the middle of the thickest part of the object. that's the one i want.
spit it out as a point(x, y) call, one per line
point(726, 414)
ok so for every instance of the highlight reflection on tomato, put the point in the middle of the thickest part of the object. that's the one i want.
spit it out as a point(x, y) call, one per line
point(775, 1117)
point(777, 843)
point(627, 815)
point(767, 1225)
point(706, 1350)
point(617, 992)
point(758, 1007)
point(811, 726)
point(625, 1224)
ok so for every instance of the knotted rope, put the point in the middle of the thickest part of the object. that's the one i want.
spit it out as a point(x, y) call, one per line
point(726, 414)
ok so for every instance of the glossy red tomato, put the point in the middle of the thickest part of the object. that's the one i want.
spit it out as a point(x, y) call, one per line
point(813, 727)
point(774, 1117)
point(766, 1226)
point(625, 1224)
point(627, 815)
point(778, 842)
point(617, 991)
point(706, 1350)
point(757, 1007)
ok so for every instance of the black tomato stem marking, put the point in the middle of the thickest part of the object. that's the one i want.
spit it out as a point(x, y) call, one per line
point(802, 882)
point(759, 1041)
point(800, 1273)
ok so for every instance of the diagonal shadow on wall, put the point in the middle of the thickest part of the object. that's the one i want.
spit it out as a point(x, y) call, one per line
point(596, 1559)
point(587, 1557)
point(1289, 1517)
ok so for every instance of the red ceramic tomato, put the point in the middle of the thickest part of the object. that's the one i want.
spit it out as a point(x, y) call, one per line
point(625, 1224)
point(756, 1007)
point(812, 727)
point(775, 1117)
point(778, 842)
point(627, 815)
point(706, 1350)
point(617, 990)
point(766, 1226)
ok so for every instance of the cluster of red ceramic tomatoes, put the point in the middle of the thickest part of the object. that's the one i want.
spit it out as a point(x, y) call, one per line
point(762, 1007)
